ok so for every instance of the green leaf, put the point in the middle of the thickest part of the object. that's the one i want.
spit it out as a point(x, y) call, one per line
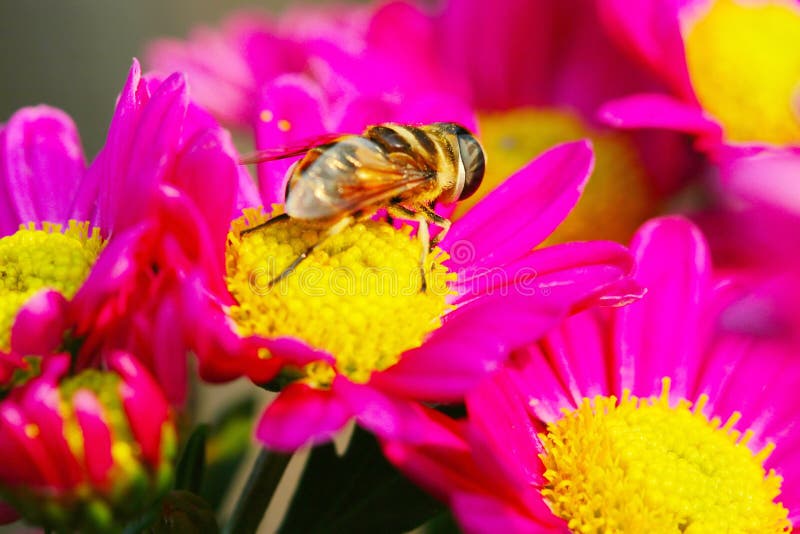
point(357, 492)
point(227, 445)
point(189, 473)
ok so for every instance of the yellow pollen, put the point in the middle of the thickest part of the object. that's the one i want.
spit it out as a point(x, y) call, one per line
point(744, 64)
point(266, 115)
point(284, 125)
point(33, 259)
point(617, 198)
point(642, 465)
point(31, 430)
point(357, 295)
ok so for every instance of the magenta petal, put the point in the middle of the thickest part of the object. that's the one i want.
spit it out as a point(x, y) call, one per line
point(659, 111)
point(502, 434)
point(144, 403)
point(568, 273)
point(42, 167)
point(301, 415)
point(152, 151)
point(476, 339)
point(503, 226)
point(207, 170)
point(661, 334)
point(41, 405)
point(96, 436)
point(769, 178)
point(170, 358)
point(652, 31)
point(478, 514)
point(31, 464)
point(290, 113)
point(41, 323)
point(296, 351)
point(392, 418)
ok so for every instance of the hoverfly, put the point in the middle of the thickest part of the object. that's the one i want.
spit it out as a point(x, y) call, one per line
point(402, 168)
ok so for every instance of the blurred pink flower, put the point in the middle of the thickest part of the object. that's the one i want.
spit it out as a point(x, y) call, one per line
point(88, 451)
point(150, 212)
point(731, 69)
point(495, 469)
point(313, 71)
point(503, 294)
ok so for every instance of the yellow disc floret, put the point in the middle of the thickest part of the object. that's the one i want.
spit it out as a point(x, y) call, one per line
point(49, 257)
point(642, 465)
point(358, 295)
point(617, 198)
point(744, 65)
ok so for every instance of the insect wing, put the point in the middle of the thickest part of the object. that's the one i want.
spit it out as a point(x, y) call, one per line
point(355, 175)
point(289, 151)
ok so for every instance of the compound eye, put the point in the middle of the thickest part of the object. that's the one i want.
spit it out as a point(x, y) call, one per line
point(474, 160)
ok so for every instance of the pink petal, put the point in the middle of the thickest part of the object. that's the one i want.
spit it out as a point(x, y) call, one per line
point(144, 403)
point(661, 335)
point(651, 30)
point(501, 227)
point(659, 111)
point(393, 418)
point(41, 167)
point(96, 436)
point(41, 405)
point(152, 148)
point(170, 358)
point(479, 514)
point(301, 415)
point(109, 168)
point(769, 178)
point(568, 273)
point(502, 433)
point(296, 351)
point(40, 324)
point(299, 102)
point(207, 171)
point(27, 461)
point(476, 339)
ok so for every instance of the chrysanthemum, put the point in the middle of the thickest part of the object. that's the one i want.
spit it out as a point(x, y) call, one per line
point(355, 335)
point(95, 259)
point(535, 71)
point(88, 451)
point(650, 418)
point(732, 67)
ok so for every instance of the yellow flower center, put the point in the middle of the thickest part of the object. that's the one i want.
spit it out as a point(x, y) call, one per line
point(358, 295)
point(744, 63)
point(641, 465)
point(617, 198)
point(51, 257)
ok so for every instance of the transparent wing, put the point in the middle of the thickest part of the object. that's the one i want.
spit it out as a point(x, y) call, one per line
point(353, 176)
point(289, 151)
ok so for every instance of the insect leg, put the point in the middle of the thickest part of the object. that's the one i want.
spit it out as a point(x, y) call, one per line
point(439, 221)
point(281, 217)
point(329, 232)
point(423, 234)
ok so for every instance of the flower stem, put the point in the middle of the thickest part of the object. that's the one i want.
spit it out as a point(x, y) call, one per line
point(258, 492)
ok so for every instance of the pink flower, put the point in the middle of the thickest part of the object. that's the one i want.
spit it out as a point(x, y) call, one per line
point(671, 350)
point(88, 451)
point(372, 352)
point(106, 250)
point(311, 72)
point(731, 69)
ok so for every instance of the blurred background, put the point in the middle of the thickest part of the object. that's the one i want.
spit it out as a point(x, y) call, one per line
point(75, 55)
